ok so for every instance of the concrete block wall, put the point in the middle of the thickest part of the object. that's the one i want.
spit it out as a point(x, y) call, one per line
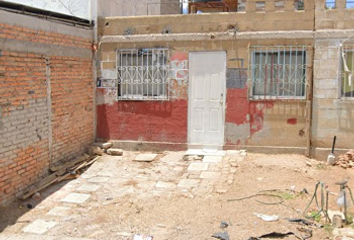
point(332, 114)
point(46, 99)
point(338, 18)
point(251, 20)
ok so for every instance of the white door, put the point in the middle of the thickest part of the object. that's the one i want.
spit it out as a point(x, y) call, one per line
point(207, 84)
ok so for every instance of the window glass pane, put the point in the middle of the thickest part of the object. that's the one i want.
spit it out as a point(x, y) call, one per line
point(143, 74)
point(279, 73)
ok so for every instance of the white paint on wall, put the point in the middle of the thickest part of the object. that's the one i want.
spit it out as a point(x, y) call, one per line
point(77, 8)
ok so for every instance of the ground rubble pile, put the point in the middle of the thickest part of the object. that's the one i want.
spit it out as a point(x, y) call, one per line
point(346, 160)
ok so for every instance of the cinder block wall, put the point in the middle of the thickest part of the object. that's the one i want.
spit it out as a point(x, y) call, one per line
point(332, 113)
point(46, 98)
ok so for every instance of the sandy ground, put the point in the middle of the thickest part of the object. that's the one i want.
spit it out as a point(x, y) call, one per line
point(193, 215)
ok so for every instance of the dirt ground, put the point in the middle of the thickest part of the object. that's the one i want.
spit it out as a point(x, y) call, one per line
point(178, 214)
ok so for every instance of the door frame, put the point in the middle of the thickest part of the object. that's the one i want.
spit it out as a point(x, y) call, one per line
point(223, 108)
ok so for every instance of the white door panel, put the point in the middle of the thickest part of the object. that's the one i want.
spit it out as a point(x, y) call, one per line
point(207, 98)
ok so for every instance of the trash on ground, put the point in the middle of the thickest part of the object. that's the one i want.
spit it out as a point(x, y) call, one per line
point(267, 218)
point(142, 237)
point(304, 222)
point(275, 235)
point(221, 236)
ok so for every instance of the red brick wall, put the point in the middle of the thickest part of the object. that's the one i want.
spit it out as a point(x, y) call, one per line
point(25, 111)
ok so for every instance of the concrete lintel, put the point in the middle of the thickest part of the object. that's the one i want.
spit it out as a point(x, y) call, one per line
point(43, 48)
point(216, 36)
point(334, 34)
point(36, 23)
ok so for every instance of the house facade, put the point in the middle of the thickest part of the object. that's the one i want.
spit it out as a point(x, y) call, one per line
point(269, 78)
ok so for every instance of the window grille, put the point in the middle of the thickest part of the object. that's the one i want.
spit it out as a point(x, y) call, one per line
point(277, 72)
point(143, 74)
point(346, 72)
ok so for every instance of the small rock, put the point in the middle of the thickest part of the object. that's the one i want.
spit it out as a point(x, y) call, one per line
point(233, 164)
point(161, 226)
point(224, 224)
point(103, 145)
point(337, 221)
point(115, 152)
point(94, 150)
point(308, 164)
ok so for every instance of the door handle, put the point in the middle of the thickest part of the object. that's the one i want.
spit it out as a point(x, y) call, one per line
point(221, 98)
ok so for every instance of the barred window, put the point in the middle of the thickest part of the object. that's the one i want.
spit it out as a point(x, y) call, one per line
point(277, 72)
point(143, 74)
point(346, 72)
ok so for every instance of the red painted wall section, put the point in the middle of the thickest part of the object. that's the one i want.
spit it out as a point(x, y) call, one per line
point(156, 121)
point(244, 117)
point(144, 121)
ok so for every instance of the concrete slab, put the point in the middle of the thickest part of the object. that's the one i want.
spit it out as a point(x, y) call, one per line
point(98, 179)
point(60, 211)
point(205, 152)
point(145, 157)
point(166, 185)
point(77, 198)
point(210, 175)
point(198, 166)
point(188, 183)
point(39, 227)
point(105, 174)
point(88, 188)
point(212, 159)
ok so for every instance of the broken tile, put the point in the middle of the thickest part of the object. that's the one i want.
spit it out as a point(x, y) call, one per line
point(39, 227)
point(98, 179)
point(60, 211)
point(210, 175)
point(167, 185)
point(212, 159)
point(188, 183)
point(88, 188)
point(77, 198)
point(198, 166)
point(145, 157)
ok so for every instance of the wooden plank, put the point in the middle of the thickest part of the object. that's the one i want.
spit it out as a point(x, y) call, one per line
point(70, 163)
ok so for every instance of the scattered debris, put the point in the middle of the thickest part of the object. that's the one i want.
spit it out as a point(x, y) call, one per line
point(343, 232)
point(304, 222)
point(308, 163)
point(61, 174)
point(221, 236)
point(104, 145)
point(346, 160)
point(267, 218)
point(142, 237)
point(94, 150)
point(337, 221)
point(224, 224)
point(115, 152)
point(275, 235)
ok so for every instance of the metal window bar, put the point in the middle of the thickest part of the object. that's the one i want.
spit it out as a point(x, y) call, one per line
point(277, 72)
point(143, 74)
point(346, 72)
